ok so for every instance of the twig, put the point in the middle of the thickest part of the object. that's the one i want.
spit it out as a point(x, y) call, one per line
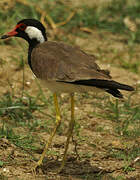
point(67, 20)
point(47, 16)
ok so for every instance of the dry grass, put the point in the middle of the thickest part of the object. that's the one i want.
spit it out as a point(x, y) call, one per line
point(107, 131)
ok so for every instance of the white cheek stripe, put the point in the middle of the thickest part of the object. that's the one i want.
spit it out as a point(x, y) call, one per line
point(34, 33)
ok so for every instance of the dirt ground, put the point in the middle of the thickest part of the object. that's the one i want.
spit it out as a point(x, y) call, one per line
point(94, 147)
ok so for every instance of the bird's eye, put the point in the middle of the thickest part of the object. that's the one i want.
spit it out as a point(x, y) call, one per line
point(22, 27)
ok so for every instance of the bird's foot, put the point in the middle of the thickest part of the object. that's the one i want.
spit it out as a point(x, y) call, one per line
point(61, 167)
point(36, 166)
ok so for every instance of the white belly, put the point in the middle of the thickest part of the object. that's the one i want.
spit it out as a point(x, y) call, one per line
point(61, 87)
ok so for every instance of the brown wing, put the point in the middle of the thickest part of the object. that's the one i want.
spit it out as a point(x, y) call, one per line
point(62, 62)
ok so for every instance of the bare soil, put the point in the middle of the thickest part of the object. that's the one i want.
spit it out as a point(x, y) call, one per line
point(95, 146)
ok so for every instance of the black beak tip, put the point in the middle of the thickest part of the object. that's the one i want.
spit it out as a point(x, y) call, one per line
point(4, 37)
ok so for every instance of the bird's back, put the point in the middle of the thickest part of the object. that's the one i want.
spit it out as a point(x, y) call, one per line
point(64, 68)
point(59, 61)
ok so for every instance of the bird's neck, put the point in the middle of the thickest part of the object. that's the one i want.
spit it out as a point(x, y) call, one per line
point(32, 44)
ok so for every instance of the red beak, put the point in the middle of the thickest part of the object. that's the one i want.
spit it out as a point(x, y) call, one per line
point(9, 34)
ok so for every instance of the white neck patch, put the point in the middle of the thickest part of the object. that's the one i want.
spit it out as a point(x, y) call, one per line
point(34, 33)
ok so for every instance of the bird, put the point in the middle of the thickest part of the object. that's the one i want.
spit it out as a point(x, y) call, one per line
point(63, 68)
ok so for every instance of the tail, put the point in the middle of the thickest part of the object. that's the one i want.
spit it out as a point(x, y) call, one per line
point(109, 86)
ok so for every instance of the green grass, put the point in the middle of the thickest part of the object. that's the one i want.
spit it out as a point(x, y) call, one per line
point(35, 113)
point(25, 142)
point(108, 18)
point(18, 109)
point(126, 155)
point(104, 19)
point(18, 112)
point(126, 115)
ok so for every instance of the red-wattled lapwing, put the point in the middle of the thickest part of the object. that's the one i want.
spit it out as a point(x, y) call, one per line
point(63, 68)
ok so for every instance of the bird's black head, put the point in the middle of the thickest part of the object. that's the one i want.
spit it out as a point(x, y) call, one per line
point(29, 29)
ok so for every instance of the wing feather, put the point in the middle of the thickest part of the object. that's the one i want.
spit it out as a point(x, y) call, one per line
point(61, 62)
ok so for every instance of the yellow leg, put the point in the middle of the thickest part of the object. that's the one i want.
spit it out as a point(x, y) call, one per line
point(70, 130)
point(58, 122)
